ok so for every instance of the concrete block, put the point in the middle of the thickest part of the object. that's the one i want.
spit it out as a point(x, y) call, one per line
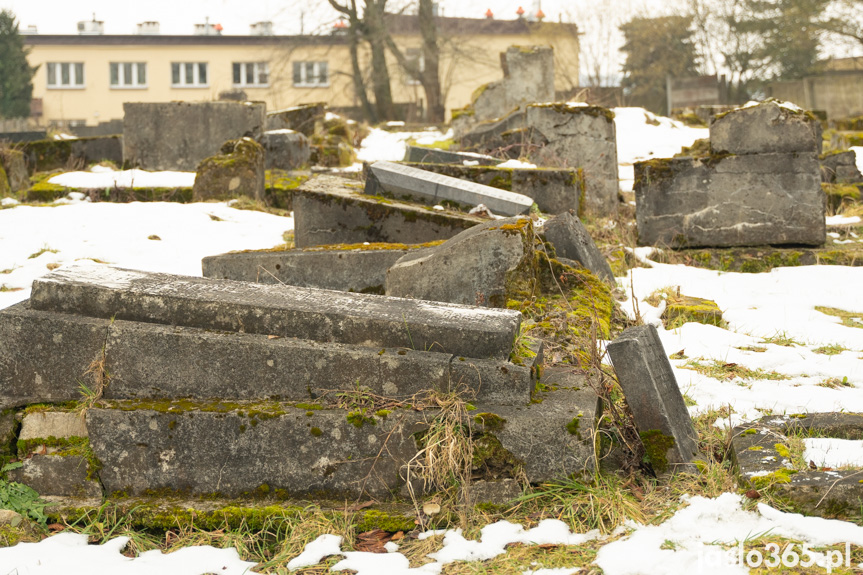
point(57, 424)
point(237, 171)
point(180, 135)
point(57, 475)
point(418, 154)
point(286, 311)
point(286, 150)
point(654, 398)
point(305, 118)
point(406, 182)
point(768, 128)
point(331, 210)
point(528, 77)
point(839, 168)
point(14, 163)
point(484, 266)
point(572, 241)
point(762, 199)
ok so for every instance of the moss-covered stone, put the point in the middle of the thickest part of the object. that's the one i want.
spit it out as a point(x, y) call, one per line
point(656, 446)
point(237, 171)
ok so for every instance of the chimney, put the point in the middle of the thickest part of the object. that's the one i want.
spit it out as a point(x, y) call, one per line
point(261, 29)
point(520, 12)
point(92, 27)
point(29, 30)
point(149, 28)
point(489, 14)
point(207, 29)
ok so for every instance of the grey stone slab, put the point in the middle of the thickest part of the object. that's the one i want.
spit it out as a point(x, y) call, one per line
point(46, 155)
point(237, 171)
point(44, 356)
point(179, 135)
point(528, 77)
point(553, 437)
point(343, 268)
point(572, 241)
point(553, 190)
point(287, 311)
point(481, 266)
point(237, 451)
point(765, 128)
point(490, 135)
point(761, 199)
point(57, 424)
point(149, 361)
point(654, 398)
point(57, 475)
point(14, 162)
point(422, 155)
point(286, 149)
point(839, 168)
point(579, 137)
point(305, 118)
point(331, 210)
point(414, 184)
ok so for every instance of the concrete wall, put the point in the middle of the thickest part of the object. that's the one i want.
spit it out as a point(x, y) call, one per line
point(840, 95)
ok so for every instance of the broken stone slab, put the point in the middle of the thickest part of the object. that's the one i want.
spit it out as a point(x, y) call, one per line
point(417, 154)
point(149, 361)
point(838, 168)
point(331, 210)
point(553, 190)
point(491, 135)
point(483, 266)
point(180, 135)
point(575, 136)
point(286, 150)
point(305, 118)
point(332, 454)
point(406, 182)
point(770, 127)
point(654, 398)
point(237, 171)
point(286, 311)
point(572, 241)
point(346, 267)
point(14, 164)
point(528, 77)
point(762, 199)
point(58, 475)
point(56, 424)
point(762, 461)
point(44, 358)
point(551, 437)
point(47, 155)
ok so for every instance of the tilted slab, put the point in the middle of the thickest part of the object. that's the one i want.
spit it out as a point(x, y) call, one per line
point(343, 268)
point(331, 210)
point(44, 357)
point(438, 156)
point(232, 450)
point(405, 181)
point(287, 311)
point(759, 199)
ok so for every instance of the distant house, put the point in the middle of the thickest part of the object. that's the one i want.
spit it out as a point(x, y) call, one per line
point(84, 79)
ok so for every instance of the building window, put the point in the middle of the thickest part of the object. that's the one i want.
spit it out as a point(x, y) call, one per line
point(311, 74)
point(128, 75)
point(251, 74)
point(189, 75)
point(65, 74)
point(415, 61)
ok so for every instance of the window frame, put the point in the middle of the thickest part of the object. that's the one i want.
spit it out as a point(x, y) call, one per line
point(257, 69)
point(303, 67)
point(182, 69)
point(55, 69)
point(136, 68)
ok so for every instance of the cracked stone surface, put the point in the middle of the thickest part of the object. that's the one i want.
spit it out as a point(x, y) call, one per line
point(765, 128)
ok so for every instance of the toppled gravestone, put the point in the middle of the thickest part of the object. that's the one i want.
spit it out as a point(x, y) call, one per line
point(47, 155)
point(762, 459)
point(553, 190)
point(217, 395)
point(237, 171)
point(651, 391)
point(286, 149)
point(528, 76)
point(760, 190)
point(417, 154)
point(307, 119)
point(14, 163)
point(505, 136)
point(333, 210)
point(406, 182)
point(486, 265)
point(572, 241)
point(343, 267)
point(179, 135)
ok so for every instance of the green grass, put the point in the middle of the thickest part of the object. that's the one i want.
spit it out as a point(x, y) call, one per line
point(726, 371)
point(832, 349)
point(44, 250)
point(781, 338)
point(848, 318)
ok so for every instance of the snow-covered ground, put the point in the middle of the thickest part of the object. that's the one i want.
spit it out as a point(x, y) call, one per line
point(698, 538)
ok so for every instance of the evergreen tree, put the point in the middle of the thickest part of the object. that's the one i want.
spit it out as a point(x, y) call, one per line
point(16, 75)
point(655, 49)
point(789, 34)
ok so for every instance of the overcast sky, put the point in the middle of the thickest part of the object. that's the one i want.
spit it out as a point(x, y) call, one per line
point(180, 16)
